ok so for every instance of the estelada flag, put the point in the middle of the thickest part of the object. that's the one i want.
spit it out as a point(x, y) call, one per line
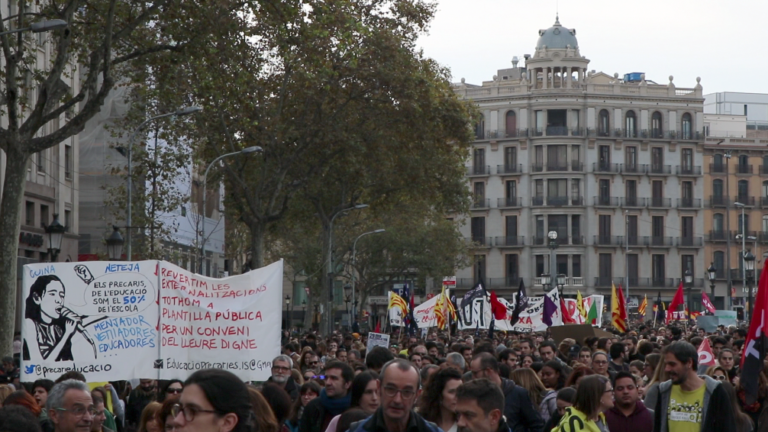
point(618, 310)
point(754, 346)
point(677, 300)
point(706, 356)
point(643, 306)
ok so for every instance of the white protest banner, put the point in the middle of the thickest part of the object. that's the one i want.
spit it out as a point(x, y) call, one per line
point(377, 339)
point(395, 312)
point(424, 314)
point(570, 304)
point(531, 319)
point(231, 323)
point(97, 318)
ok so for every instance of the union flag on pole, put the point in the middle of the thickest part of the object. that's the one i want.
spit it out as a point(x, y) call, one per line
point(755, 345)
point(707, 303)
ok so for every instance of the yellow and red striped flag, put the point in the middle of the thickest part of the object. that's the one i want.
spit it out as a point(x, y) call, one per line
point(643, 306)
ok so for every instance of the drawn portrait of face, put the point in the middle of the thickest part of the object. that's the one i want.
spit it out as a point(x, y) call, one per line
point(51, 301)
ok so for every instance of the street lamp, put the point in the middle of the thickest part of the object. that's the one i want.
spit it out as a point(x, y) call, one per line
point(245, 151)
point(330, 261)
point(55, 233)
point(39, 27)
point(749, 269)
point(688, 280)
point(354, 250)
point(128, 153)
point(553, 244)
point(115, 245)
point(287, 313)
point(712, 273)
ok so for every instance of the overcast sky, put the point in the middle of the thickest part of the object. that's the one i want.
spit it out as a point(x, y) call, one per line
point(723, 42)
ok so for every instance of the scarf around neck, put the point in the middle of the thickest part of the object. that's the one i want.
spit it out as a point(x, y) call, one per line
point(335, 406)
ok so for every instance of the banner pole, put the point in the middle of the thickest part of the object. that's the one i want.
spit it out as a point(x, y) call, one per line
point(159, 324)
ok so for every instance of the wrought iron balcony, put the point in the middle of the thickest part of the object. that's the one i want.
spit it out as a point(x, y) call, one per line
point(537, 201)
point(557, 130)
point(718, 201)
point(557, 201)
point(605, 167)
point(634, 202)
point(684, 170)
point(717, 168)
point(478, 241)
point(638, 169)
point(606, 201)
point(509, 169)
point(556, 167)
point(690, 242)
point(479, 170)
point(481, 204)
point(660, 169)
point(510, 241)
point(635, 240)
point(748, 201)
point(659, 241)
point(659, 202)
point(719, 235)
point(764, 170)
point(609, 240)
point(763, 202)
point(509, 202)
point(743, 169)
point(577, 166)
point(689, 203)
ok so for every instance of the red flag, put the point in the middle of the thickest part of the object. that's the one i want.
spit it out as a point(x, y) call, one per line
point(498, 308)
point(706, 357)
point(622, 305)
point(707, 303)
point(378, 327)
point(754, 346)
point(567, 319)
point(677, 300)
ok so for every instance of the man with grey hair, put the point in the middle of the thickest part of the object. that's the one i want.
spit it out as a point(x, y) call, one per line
point(457, 360)
point(281, 376)
point(70, 406)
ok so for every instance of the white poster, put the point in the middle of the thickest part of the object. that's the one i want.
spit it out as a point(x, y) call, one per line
point(531, 319)
point(97, 318)
point(231, 323)
point(377, 339)
point(424, 314)
point(570, 304)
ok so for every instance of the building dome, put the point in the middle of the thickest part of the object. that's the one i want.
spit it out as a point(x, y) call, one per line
point(557, 37)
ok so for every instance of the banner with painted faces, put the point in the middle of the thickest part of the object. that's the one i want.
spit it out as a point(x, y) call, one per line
point(123, 320)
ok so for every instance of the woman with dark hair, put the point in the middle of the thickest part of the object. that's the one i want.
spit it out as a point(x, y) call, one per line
point(24, 399)
point(309, 390)
point(726, 359)
point(553, 375)
point(280, 402)
point(577, 375)
point(438, 402)
point(744, 422)
point(54, 323)
point(565, 398)
point(170, 390)
point(264, 417)
point(165, 417)
point(364, 392)
point(526, 360)
point(214, 400)
point(604, 344)
point(593, 396)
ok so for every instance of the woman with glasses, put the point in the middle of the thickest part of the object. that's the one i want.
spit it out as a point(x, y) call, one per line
point(593, 397)
point(214, 400)
point(718, 373)
point(438, 402)
point(308, 361)
point(170, 390)
point(365, 396)
point(309, 390)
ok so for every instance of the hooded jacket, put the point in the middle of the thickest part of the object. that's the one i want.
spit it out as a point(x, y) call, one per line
point(717, 410)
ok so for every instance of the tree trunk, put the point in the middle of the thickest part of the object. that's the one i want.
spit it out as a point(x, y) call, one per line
point(10, 224)
point(257, 245)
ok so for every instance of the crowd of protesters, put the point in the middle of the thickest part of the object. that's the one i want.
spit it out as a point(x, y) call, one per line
point(645, 380)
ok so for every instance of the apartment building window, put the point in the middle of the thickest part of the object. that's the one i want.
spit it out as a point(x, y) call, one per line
point(562, 264)
point(719, 262)
point(717, 223)
point(480, 128)
point(717, 163)
point(686, 262)
point(604, 157)
point(510, 190)
point(511, 228)
point(632, 229)
point(67, 219)
point(686, 225)
point(604, 229)
point(765, 223)
point(657, 193)
point(40, 162)
point(576, 265)
point(68, 166)
point(511, 124)
point(512, 266)
point(743, 223)
point(559, 224)
point(478, 230)
point(631, 193)
point(605, 269)
point(540, 230)
point(743, 191)
point(765, 189)
point(630, 159)
point(575, 158)
point(479, 269)
point(576, 191)
point(630, 122)
point(743, 164)
point(687, 124)
point(658, 272)
point(557, 192)
point(633, 268)
point(603, 123)
point(540, 123)
point(604, 192)
point(765, 165)
point(540, 265)
point(538, 154)
point(479, 161)
point(717, 192)
point(657, 229)
point(656, 125)
point(479, 188)
point(30, 213)
point(686, 193)
point(686, 161)
point(657, 159)
point(576, 229)
point(510, 159)
point(45, 217)
point(557, 158)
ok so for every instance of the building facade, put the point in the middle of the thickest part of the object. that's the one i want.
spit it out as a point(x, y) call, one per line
point(612, 165)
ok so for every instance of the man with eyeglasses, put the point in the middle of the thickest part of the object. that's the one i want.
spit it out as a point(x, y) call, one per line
point(521, 415)
point(628, 414)
point(334, 398)
point(281, 376)
point(70, 406)
point(400, 387)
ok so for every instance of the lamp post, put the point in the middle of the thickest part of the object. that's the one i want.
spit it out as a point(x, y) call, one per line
point(688, 280)
point(354, 271)
point(749, 269)
point(115, 245)
point(728, 278)
point(330, 262)
point(347, 299)
point(129, 154)
point(743, 234)
point(55, 233)
point(247, 150)
point(712, 273)
point(287, 313)
point(552, 235)
point(39, 27)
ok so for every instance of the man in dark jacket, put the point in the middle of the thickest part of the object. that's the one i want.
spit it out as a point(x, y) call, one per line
point(281, 376)
point(138, 399)
point(687, 398)
point(400, 386)
point(521, 415)
point(334, 399)
point(628, 414)
point(480, 407)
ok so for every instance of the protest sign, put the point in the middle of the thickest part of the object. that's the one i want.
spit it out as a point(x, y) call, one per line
point(570, 304)
point(424, 314)
point(147, 319)
point(478, 314)
point(377, 339)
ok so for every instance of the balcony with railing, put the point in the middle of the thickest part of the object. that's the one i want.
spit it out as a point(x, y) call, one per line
point(718, 201)
point(605, 167)
point(509, 202)
point(634, 169)
point(606, 201)
point(478, 170)
point(737, 236)
point(577, 166)
point(635, 202)
point(558, 201)
point(690, 242)
point(608, 240)
point(635, 240)
point(509, 241)
point(556, 167)
point(537, 168)
point(537, 201)
point(763, 202)
point(764, 170)
point(689, 203)
point(748, 201)
point(481, 203)
point(660, 202)
point(691, 136)
point(557, 130)
point(656, 134)
point(717, 168)
point(685, 170)
point(718, 235)
point(655, 169)
point(658, 241)
point(607, 281)
point(743, 169)
point(561, 241)
point(509, 169)
point(577, 201)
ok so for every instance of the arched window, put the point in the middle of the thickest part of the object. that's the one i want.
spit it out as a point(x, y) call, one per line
point(687, 127)
point(719, 262)
point(511, 124)
point(630, 125)
point(603, 123)
point(717, 164)
point(717, 222)
point(480, 128)
point(656, 125)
